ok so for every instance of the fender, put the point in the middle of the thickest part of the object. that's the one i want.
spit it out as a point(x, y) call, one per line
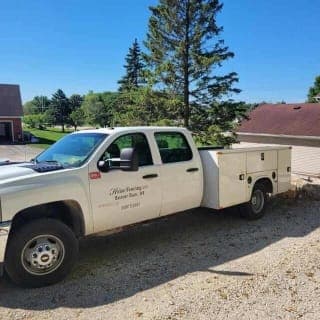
point(21, 193)
point(255, 177)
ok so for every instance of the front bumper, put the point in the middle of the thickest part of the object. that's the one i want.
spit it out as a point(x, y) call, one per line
point(4, 234)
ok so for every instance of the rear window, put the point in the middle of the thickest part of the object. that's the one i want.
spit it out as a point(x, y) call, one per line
point(173, 147)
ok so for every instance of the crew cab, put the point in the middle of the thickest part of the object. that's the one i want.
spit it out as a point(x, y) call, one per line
point(104, 180)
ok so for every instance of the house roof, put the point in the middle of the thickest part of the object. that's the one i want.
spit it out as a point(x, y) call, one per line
point(301, 119)
point(10, 101)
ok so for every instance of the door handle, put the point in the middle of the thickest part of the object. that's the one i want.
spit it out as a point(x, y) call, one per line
point(192, 169)
point(150, 176)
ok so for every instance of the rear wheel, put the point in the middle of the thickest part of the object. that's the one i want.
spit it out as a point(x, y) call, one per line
point(40, 253)
point(255, 208)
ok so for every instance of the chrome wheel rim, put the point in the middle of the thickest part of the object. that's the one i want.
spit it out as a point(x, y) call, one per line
point(42, 254)
point(257, 201)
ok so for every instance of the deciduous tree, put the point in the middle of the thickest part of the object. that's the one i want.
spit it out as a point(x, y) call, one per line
point(39, 104)
point(77, 118)
point(314, 91)
point(75, 101)
point(96, 111)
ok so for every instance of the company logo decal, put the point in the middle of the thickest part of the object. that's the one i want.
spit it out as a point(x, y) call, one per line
point(95, 175)
point(127, 192)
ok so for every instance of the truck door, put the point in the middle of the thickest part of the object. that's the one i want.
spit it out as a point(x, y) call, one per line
point(121, 198)
point(181, 173)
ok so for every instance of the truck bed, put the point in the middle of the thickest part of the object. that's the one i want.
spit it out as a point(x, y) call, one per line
point(230, 174)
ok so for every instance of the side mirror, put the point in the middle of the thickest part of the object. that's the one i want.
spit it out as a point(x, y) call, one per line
point(129, 161)
point(104, 166)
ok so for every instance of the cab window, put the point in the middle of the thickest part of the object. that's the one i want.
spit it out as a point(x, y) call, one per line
point(173, 147)
point(137, 141)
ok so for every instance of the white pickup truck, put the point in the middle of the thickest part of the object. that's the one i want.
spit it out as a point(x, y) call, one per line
point(103, 180)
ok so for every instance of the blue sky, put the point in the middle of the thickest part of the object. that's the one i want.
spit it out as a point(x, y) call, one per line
point(80, 45)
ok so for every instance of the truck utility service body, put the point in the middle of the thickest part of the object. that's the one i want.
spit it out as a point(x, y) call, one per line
point(94, 181)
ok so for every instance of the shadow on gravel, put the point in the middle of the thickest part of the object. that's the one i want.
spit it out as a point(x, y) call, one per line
point(119, 266)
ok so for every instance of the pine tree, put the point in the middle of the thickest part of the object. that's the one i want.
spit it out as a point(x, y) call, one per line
point(184, 48)
point(60, 108)
point(75, 101)
point(134, 69)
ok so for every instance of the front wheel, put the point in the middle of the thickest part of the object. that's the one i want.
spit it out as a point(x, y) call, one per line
point(40, 253)
point(255, 208)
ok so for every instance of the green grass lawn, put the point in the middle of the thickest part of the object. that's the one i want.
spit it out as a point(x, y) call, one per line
point(46, 137)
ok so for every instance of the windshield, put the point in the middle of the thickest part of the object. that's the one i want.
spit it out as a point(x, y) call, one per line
point(72, 150)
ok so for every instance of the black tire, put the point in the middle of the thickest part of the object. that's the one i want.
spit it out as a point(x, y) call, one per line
point(256, 207)
point(27, 266)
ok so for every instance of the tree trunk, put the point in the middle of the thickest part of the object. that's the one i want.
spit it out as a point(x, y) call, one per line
point(186, 105)
point(186, 70)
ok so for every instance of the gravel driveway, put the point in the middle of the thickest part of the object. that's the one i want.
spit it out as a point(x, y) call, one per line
point(18, 152)
point(194, 265)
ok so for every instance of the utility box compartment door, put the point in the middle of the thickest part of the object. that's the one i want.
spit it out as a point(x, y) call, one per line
point(284, 170)
point(232, 179)
point(262, 160)
point(209, 159)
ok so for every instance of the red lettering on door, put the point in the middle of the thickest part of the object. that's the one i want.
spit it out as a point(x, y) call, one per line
point(95, 175)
